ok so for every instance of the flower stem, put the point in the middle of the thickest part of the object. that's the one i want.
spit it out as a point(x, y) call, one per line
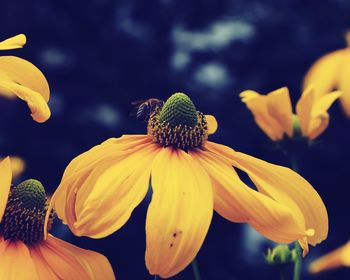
point(195, 268)
point(297, 261)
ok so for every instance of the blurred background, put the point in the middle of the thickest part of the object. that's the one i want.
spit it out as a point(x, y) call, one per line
point(101, 55)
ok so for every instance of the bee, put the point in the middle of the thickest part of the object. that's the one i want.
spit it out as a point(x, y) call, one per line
point(144, 108)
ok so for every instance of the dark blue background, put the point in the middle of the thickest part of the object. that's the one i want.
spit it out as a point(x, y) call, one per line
point(100, 55)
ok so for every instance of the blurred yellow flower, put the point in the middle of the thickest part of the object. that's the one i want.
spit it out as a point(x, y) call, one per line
point(18, 166)
point(25, 254)
point(190, 177)
point(338, 258)
point(331, 71)
point(19, 78)
point(273, 112)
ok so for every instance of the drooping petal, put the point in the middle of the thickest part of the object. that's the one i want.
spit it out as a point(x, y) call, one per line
point(16, 262)
point(58, 258)
point(212, 124)
point(14, 42)
point(106, 199)
point(324, 73)
point(258, 105)
point(237, 202)
point(5, 183)
point(337, 258)
point(286, 187)
point(112, 150)
point(344, 85)
point(67, 261)
point(179, 214)
point(20, 78)
point(304, 109)
point(40, 111)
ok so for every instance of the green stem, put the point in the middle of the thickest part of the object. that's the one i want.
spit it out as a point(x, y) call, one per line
point(297, 261)
point(298, 251)
point(195, 268)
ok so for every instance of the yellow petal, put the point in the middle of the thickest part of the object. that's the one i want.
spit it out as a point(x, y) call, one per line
point(16, 262)
point(319, 116)
point(22, 72)
point(88, 171)
point(212, 124)
point(284, 186)
point(304, 109)
point(14, 42)
point(70, 262)
point(179, 214)
point(20, 78)
point(280, 108)
point(337, 258)
point(324, 73)
point(37, 105)
point(258, 105)
point(61, 261)
point(106, 199)
point(344, 85)
point(44, 272)
point(5, 183)
point(237, 202)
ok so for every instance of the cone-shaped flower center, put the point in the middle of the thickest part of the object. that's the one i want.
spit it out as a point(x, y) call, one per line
point(24, 216)
point(178, 124)
point(179, 110)
point(31, 193)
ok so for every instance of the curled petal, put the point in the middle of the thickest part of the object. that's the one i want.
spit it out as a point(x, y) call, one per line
point(20, 78)
point(116, 170)
point(337, 258)
point(37, 105)
point(5, 183)
point(14, 42)
point(236, 202)
point(212, 124)
point(258, 105)
point(16, 262)
point(111, 192)
point(179, 214)
point(284, 186)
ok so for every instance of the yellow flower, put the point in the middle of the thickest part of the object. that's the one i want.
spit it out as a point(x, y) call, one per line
point(190, 177)
point(337, 258)
point(273, 112)
point(24, 253)
point(19, 78)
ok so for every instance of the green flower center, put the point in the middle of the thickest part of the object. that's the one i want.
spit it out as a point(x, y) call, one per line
point(25, 213)
point(179, 110)
point(30, 193)
point(178, 124)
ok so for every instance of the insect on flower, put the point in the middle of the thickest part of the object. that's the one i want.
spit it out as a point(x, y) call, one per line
point(144, 108)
